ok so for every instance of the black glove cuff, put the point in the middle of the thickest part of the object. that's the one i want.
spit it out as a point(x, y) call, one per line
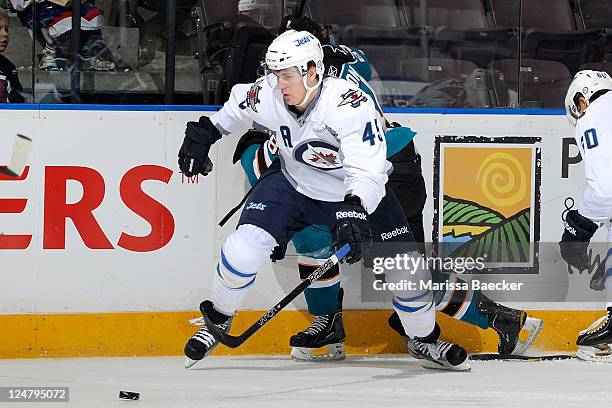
point(352, 199)
point(579, 226)
point(207, 125)
point(202, 132)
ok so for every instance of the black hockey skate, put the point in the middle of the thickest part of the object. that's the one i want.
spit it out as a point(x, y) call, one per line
point(594, 343)
point(326, 330)
point(432, 352)
point(438, 354)
point(508, 323)
point(203, 343)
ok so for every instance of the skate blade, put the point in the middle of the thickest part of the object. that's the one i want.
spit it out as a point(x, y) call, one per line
point(533, 327)
point(444, 366)
point(190, 363)
point(597, 354)
point(335, 352)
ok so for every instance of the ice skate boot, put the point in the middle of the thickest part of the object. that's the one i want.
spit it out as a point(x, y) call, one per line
point(508, 323)
point(203, 343)
point(326, 330)
point(437, 354)
point(432, 352)
point(595, 343)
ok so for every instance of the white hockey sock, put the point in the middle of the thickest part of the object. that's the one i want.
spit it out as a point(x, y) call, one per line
point(415, 307)
point(418, 316)
point(242, 254)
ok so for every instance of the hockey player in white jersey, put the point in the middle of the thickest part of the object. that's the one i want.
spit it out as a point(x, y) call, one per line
point(588, 106)
point(333, 173)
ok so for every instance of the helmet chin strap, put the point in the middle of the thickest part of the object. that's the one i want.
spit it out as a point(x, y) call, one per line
point(309, 90)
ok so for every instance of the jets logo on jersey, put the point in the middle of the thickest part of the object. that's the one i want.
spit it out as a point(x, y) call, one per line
point(256, 206)
point(353, 97)
point(318, 154)
point(252, 98)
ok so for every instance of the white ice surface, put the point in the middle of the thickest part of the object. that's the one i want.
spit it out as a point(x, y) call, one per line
point(387, 381)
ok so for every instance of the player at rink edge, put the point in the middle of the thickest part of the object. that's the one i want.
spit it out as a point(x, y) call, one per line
point(588, 105)
point(321, 116)
point(256, 152)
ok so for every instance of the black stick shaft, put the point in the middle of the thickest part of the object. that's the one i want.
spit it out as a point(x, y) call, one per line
point(235, 341)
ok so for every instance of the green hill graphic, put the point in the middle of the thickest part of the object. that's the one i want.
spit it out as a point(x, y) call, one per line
point(456, 211)
point(508, 241)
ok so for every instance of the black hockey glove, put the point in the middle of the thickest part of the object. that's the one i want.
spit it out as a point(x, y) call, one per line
point(351, 227)
point(575, 240)
point(193, 154)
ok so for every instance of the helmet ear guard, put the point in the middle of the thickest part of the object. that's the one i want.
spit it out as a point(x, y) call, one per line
point(586, 84)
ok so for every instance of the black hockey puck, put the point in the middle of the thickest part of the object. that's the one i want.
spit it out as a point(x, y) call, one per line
point(129, 395)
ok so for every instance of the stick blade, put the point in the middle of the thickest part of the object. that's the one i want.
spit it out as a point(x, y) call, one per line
point(19, 156)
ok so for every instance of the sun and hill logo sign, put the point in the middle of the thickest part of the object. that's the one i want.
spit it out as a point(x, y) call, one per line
point(487, 200)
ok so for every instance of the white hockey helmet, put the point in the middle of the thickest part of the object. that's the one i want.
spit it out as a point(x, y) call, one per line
point(586, 83)
point(296, 49)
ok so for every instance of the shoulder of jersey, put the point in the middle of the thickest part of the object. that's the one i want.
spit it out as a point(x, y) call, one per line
point(253, 94)
point(603, 104)
point(345, 96)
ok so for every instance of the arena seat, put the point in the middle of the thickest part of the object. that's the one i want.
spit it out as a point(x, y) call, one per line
point(446, 83)
point(597, 15)
point(379, 13)
point(548, 31)
point(461, 29)
point(543, 84)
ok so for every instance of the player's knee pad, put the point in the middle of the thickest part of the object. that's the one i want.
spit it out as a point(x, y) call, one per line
point(242, 254)
point(307, 265)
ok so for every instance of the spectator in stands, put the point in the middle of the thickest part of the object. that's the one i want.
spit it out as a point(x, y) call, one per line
point(10, 88)
point(53, 31)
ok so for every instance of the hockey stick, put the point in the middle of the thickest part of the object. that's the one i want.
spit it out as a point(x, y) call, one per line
point(19, 156)
point(518, 357)
point(236, 341)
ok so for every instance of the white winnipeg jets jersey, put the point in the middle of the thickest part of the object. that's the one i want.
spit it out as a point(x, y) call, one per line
point(334, 148)
point(594, 139)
